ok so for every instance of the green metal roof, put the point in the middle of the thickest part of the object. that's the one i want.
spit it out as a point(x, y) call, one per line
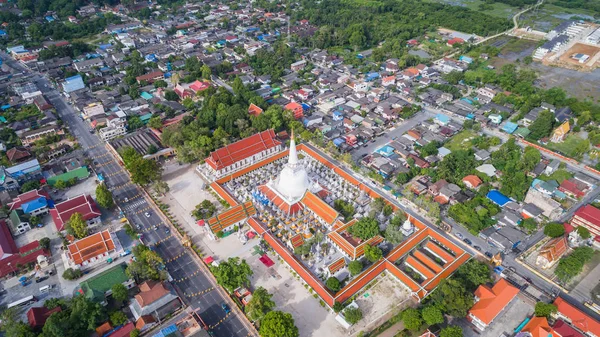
point(522, 132)
point(80, 173)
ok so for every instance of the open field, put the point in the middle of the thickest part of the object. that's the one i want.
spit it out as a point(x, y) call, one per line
point(461, 141)
point(496, 9)
point(580, 48)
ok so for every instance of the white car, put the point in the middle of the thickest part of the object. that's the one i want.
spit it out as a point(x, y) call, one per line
point(147, 214)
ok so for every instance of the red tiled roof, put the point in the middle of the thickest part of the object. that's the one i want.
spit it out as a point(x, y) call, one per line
point(242, 149)
point(26, 197)
point(565, 330)
point(143, 321)
point(150, 292)
point(473, 180)
point(199, 86)
point(104, 328)
point(297, 241)
point(337, 265)
point(83, 204)
point(7, 243)
point(37, 316)
point(254, 110)
point(90, 247)
point(492, 300)
point(149, 76)
point(320, 207)
point(15, 154)
point(571, 187)
point(577, 318)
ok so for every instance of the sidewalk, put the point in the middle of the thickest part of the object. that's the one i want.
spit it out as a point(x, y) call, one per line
point(393, 330)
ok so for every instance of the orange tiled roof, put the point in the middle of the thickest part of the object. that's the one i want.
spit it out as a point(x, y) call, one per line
point(91, 246)
point(280, 203)
point(337, 265)
point(577, 317)
point(492, 300)
point(473, 180)
point(231, 216)
point(420, 267)
point(254, 109)
point(554, 249)
point(320, 207)
point(426, 260)
point(539, 327)
point(242, 149)
point(437, 250)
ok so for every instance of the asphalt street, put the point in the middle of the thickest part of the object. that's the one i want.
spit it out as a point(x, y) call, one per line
point(199, 290)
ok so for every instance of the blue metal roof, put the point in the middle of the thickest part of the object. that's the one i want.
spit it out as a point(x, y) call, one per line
point(510, 127)
point(167, 331)
point(498, 198)
point(442, 118)
point(34, 205)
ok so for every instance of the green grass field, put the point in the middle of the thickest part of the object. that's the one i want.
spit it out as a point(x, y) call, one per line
point(497, 9)
point(460, 142)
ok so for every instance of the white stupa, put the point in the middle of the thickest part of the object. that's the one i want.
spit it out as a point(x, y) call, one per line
point(293, 181)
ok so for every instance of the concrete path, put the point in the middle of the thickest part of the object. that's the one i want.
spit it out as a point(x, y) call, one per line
point(393, 330)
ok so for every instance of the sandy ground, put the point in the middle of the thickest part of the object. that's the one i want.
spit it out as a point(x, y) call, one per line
point(580, 48)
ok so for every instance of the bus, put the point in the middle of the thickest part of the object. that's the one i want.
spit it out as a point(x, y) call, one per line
point(22, 302)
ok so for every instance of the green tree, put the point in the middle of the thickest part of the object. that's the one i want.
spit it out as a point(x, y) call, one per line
point(333, 284)
point(45, 243)
point(355, 267)
point(373, 253)
point(365, 228)
point(161, 187)
point(453, 298)
point(260, 304)
point(160, 84)
point(543, 309)
point(542, 126)
point(155, 122)
point(278, 324)
point(119, 292)
point(13, 327)
point(554, 230)
point(583, 233)
point(206, 72)
point(432, 315)
point(430, 149)
point(412, 319)
point(143, 171)
point(571, 265)
point(30, 186)
point(204, 210)
point(104, 197)
point(60, 184)
point(451, 331)
point(392, 231)
point(72, 274)
point(353, 315)
point(118, 318)
point(79, 317)
point(134, 333)
point(77, 226)
point(473, 273)
point(34, 220)
point(146, 265)
point(529, 225)
point(232, 274)
point(170, 95)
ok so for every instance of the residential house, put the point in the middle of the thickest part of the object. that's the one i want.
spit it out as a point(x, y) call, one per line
point(92, 110)
point(37, 316)
point(552, 167)
point(563, 114)
point(12, 257)
point(573, 188)
point(472, 181)
point(31, 136)
point(115, 127)
point(489, 302)
point(18, 222)
point(296, 109)
point(157, 299)
point(18, 154)
point(482, 155)
point(150, 77)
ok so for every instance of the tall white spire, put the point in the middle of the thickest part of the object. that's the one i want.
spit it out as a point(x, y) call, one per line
point(293, 156)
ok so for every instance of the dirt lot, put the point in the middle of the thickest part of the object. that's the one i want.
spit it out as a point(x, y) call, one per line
point(580, 48)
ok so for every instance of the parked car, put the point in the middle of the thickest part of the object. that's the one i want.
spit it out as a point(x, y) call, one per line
point(477, 248)
point(41, 279)
point(147, 214)
point(458, 235)
point(488, 254)
point(467, 241)
point(225, 308)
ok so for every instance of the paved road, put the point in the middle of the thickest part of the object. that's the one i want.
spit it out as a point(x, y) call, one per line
point(199, 289)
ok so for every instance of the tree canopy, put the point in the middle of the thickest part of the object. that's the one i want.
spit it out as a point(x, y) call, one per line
point(232, 274)
point(104, 197)
point(77, 226)
point(554, 230)
point(147, 265)
point(353, 315)
point(333, 284)
point(278, 324)
point(432, 315)
point(373, 253)
point(571, 265)
point(143, 171)
point(355, 267)
point(543, 309)
point(451, 331)
point(260, 304)
point(412, 319)
point(365, 228)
